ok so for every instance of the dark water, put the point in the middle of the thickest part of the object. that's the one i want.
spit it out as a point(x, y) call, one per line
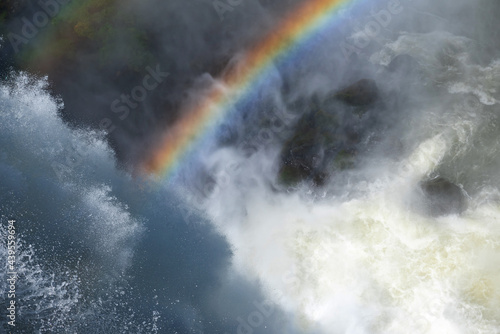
point(225, 247)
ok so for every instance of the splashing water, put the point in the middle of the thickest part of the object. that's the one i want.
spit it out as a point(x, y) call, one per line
point(359, 255)
point(364, 259)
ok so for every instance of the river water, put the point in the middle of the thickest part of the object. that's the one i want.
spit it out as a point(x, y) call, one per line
point(99, 251)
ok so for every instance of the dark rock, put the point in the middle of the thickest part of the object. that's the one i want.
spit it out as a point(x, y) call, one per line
point(326, 139)
point(362, 93)
point(443, 197)
point(301, 154)
point(317, 148)
point(344, 159)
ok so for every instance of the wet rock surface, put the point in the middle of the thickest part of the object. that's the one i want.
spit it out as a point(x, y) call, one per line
point(443, 197)
point(361, 93)
point(303, 155)
point(327, 137)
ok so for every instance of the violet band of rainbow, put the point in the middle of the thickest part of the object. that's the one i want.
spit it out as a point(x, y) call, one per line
point(303, 22)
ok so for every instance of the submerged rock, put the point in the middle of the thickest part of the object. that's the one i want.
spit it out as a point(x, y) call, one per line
point(302, 154)
point(443, 197)
point(362, 93)
point(318, 147)
point(327, 138)
point(344, 159)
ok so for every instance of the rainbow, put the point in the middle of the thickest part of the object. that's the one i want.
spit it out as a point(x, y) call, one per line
point(302, 23)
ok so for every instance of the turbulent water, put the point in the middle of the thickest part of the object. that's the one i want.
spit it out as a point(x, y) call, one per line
point(100, 251)
point(363, 258)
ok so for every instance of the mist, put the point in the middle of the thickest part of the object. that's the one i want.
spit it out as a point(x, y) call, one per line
point(354, 190)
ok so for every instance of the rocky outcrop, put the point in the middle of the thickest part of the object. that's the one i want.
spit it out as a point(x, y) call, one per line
point(443, 197)
point(302, 155)
point(318, 147)
point(362, 93)
point(325, 140)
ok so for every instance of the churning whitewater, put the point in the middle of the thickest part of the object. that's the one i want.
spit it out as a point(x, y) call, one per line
point(355, 242)
point(362, 256)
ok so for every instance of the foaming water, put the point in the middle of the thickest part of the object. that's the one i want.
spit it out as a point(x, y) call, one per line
point(363, 257)
point(372, 264)
point(98, 251)
point(49, 296)
point(99, 254)
point(74, 237)
point(42, 153)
